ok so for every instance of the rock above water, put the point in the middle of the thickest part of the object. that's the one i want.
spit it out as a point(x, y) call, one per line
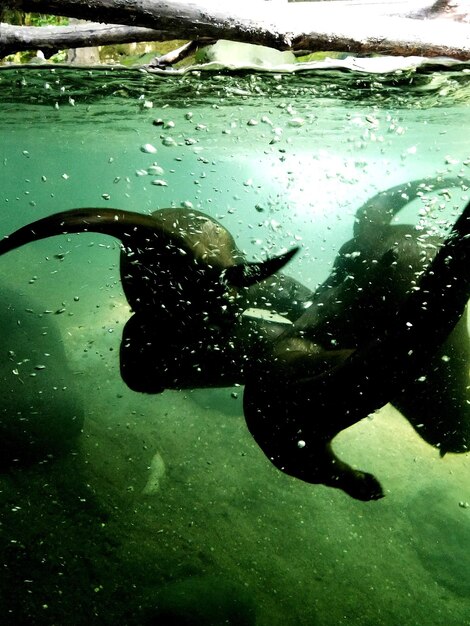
point(233, 53)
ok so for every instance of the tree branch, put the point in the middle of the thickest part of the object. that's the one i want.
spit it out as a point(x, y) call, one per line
point(176, 17)
point(349, 26)
point(20, 38)
point(389, 35)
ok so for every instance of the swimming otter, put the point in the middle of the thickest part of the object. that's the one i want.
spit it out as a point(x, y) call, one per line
point(373, 273)
point(328, 361)
point(376, 332)
point(187, 284)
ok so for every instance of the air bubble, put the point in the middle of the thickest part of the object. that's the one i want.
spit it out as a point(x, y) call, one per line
point(148, 148)
point(155, 170)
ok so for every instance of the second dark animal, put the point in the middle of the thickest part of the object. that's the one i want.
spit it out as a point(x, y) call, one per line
point(388, 325)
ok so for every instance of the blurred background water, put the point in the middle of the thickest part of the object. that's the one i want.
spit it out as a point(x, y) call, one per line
point(167, 496)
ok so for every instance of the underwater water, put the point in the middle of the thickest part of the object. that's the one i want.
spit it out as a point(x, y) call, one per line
point(137, 507)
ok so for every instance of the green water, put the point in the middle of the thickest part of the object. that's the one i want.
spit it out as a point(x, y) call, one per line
point(167, 498)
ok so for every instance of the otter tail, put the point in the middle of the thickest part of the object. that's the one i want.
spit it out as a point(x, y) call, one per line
point(137, 232)
point(384, 206)
point(120, 224)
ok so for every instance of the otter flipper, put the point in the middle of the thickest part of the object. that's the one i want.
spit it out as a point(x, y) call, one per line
point(247, 274)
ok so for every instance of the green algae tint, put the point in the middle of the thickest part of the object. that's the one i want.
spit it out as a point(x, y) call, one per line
point(164, 505)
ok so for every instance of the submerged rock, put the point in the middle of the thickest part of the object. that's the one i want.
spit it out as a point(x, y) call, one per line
point(40, 410)
point(441, 535)
point(156, 473)
point(202, 601)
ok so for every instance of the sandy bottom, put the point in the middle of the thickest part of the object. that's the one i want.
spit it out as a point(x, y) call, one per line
point(167, 499)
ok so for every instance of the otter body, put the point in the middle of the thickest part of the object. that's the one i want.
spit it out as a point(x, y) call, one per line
point(376, 332)
point(187, 284)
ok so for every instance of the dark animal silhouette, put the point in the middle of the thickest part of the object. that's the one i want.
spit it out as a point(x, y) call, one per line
point(183, 254)
point(387, 325)
point(187, 284)
point(374, 333)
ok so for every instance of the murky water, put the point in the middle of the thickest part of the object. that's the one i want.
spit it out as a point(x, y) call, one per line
point(166, 500)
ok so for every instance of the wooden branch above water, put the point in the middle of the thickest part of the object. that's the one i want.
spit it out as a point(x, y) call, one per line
point(349, 26)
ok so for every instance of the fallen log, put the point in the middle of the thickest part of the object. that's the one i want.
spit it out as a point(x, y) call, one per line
point(178, 18)
point(349, 26)
point(20, 38)
point(389, 35)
